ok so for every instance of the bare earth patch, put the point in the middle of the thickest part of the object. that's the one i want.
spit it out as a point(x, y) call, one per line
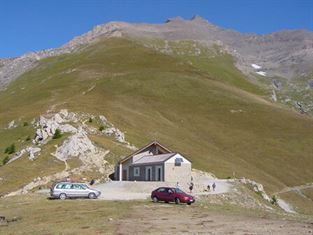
point(181, 219)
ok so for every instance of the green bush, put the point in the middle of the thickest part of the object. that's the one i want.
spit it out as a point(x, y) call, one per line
point(25, 124)
point(90, 120)
point(27, 138)
point(5, 160)
point(10, 149)
point(101, 128)
point(57, 134)
point(274, 200)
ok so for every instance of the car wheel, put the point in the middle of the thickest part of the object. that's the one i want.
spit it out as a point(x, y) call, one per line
point(177, 201)
point(155, 199)
point(92, 196)
point(62, 196)
point(189, 203)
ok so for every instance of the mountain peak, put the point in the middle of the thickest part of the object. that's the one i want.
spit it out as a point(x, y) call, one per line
point(198, 18)
point(175, 19)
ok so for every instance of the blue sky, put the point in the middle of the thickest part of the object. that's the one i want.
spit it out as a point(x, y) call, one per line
point(33, 25)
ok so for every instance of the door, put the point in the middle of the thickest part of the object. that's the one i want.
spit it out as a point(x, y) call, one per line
point(170, 195)
point(158, 173)
point(125, 174)
point(148, 175)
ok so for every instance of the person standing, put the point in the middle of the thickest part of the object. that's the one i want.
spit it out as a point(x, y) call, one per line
point(191, 187)
point(177, 185)
point(213, 186)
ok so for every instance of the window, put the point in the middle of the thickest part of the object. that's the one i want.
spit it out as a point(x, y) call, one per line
point(136, 171)
point(65, 186)
point(178, 161)
point(162, 190)
point(76, 186)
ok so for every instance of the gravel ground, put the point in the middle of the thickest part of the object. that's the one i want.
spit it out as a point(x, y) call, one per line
point(126, 190)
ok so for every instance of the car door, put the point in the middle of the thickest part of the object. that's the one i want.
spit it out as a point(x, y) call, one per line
point(170, 195)
point(162, 194)
point(66, 188)
point(77, 190)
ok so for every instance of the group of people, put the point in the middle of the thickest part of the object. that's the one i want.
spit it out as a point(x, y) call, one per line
point(213, 187)
point(191, 186)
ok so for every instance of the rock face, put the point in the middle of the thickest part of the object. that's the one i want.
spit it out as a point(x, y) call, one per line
point(48, 125)
point(12, 68)
point(76, 145)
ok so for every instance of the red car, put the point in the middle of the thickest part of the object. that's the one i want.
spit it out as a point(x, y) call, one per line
point(167, 194)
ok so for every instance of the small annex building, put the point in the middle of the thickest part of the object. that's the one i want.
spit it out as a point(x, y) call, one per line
point(154, 162)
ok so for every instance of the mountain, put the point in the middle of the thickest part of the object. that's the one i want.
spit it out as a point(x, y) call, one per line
point(187, 83)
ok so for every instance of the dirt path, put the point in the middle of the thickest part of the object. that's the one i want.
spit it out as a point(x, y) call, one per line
point(296, 188)
point(181, 219)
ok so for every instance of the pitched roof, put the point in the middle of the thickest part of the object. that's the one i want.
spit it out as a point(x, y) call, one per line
point(154, 158)
point(143, 148)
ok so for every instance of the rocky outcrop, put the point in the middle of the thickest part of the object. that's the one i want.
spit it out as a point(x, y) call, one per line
point(47, 125)
point(32, 152)
point(257, 187)
point(12, 124)
point(76, 145)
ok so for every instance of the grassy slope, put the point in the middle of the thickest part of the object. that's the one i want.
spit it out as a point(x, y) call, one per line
point(151, 95)
point(38, 215)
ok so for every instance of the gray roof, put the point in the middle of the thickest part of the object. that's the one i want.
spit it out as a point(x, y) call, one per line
point(154, 158)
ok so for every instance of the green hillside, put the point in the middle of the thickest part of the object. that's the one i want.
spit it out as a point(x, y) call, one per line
point(204, 109)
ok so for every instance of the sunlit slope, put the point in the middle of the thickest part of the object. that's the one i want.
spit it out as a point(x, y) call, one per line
point(222, 127)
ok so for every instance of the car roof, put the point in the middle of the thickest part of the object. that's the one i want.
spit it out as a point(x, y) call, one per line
point(166, 187)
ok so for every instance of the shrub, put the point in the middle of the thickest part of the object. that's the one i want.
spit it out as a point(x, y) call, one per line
point(90, 120)
point(5, 160)
point(27, 138)
point(274, 200)
point(101, 128)
point(25, 124)
point(10, 149)
point(57, 134)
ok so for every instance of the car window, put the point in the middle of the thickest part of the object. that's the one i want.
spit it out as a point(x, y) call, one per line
point(169, 190)
point(84, 186)
point(178, 190)
point(65, 186)
point(162, 190)
point(76, 186)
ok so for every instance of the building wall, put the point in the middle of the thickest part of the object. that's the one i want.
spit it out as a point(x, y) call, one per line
point(142, 170)
point(175, 173)
point(125, 166)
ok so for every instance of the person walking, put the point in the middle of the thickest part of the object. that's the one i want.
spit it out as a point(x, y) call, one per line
point(214, 186)
point(209, 187)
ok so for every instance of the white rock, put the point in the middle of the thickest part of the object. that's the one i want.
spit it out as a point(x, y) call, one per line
point(12, 125)
point(17, 155)
point(77, 144)
point(262, 73)
point(103, 119)
point(255, 66)
point(67, 128)
point(32, 151)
